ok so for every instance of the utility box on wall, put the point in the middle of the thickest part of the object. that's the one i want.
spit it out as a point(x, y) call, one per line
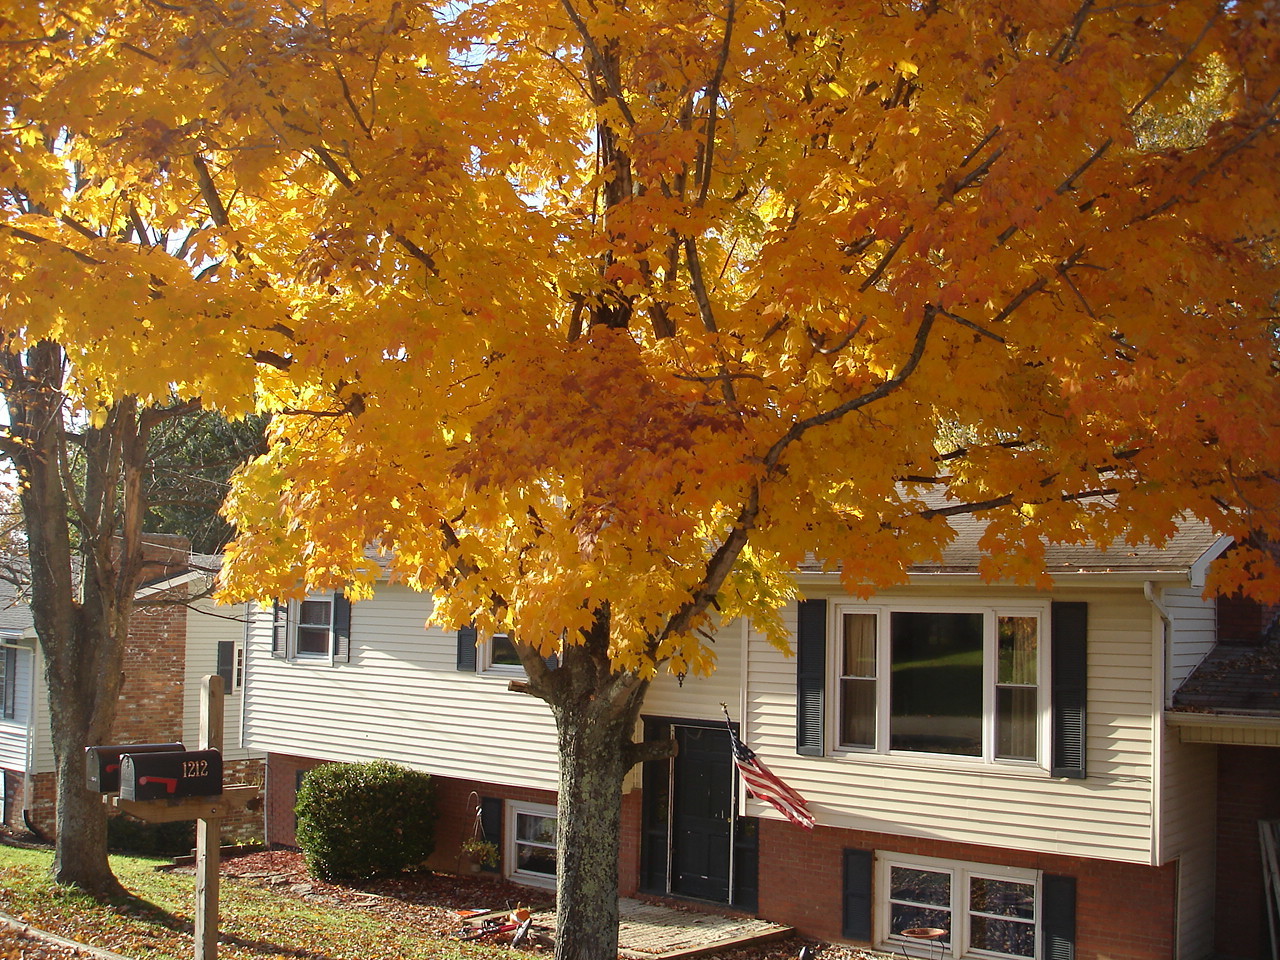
point(171, 775)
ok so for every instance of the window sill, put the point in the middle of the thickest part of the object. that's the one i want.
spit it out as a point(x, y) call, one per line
point(533, 880)
point(1017, 769)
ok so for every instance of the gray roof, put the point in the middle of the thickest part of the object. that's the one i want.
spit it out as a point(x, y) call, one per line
point(1177, 555)
point(1234, 679)
point(15, 615)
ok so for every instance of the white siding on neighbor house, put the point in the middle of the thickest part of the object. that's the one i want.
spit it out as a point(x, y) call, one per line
point(1188, 830)
point(15, 732)
point(401, 697)
point(208, 624)
point(1193, 630)
point(41, 735)
point(1107, 814)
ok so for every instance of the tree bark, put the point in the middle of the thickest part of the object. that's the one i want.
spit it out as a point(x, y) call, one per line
point(81, 584)
point(595, 711)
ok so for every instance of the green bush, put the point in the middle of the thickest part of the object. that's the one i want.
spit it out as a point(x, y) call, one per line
point(361, 820)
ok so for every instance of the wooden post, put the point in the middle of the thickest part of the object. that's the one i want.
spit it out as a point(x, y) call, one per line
point(208, 829)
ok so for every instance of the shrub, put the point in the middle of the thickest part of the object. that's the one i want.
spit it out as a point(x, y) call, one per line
point(362, 820)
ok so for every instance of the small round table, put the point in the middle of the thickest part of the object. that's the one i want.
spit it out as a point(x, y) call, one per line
point(933, 936)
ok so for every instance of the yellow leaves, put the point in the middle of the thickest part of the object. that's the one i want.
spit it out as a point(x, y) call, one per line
point(425, 220)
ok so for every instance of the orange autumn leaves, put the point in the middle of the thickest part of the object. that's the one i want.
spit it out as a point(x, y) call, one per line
point(574, 305)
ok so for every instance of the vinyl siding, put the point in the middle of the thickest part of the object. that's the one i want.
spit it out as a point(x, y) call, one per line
point(1108, 814)
point(14, 733)
point(700, 697)
point(207, 624)
point(1188, 814)
point(400, 698)
point(42, 736)
point(1193, 631)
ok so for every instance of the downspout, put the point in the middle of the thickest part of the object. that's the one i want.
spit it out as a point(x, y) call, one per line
point(1166, 621)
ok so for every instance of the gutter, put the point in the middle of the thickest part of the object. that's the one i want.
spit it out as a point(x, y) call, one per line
point(1260, 719)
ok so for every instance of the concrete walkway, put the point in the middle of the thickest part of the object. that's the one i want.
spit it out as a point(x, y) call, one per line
point(648, 931)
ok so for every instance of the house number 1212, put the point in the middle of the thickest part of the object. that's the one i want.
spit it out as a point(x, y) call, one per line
point(195, 768)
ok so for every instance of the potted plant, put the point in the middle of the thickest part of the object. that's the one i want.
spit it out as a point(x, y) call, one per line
point(482, 853)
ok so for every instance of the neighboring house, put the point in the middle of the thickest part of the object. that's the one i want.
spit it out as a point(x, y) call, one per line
point(176, 637)
point(1232, 702)
point(987, 759)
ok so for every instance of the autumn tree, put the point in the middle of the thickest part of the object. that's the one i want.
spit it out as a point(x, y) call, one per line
point(81, 505)
point(599, 317)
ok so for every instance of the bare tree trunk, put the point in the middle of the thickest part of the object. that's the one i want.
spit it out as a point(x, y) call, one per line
point(595, 711)
point(82, 583)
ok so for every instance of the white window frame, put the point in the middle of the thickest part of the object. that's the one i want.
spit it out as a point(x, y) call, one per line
point(991, 615)
point(295, 623)
point(7, 644)
point(485, 664)
point(961, 872)
point(514, 809)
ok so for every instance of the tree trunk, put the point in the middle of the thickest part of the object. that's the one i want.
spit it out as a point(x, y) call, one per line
point(80, 854)
point(81, 586)
point(595, 710)
point(589, 815)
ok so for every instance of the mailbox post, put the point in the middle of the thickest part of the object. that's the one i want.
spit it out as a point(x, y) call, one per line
point(162, 783)
point(209, 829)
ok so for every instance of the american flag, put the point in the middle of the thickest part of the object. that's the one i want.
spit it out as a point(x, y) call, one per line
point(764, 784)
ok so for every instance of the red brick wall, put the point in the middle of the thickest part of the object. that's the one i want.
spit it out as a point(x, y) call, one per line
point(1249, 791)
point(1123, 911)
point(150, 706)
point(456, 815)
point(43, 804)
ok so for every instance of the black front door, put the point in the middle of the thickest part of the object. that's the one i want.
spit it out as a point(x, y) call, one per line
point(702, 813)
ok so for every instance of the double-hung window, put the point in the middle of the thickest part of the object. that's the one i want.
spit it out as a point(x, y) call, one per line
point(498, 655)
point(982, 910)
point(531, 842)
point(316, 628)
point(313, 632)
point(8, 682)
point(950, 682)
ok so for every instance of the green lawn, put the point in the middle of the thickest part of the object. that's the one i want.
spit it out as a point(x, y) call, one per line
point(156, 921)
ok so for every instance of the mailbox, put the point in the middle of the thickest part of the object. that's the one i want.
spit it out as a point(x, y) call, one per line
point(171, 775)
point(102, 764)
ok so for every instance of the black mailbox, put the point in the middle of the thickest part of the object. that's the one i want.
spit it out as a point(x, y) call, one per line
point(169, 776)
point(102, 764)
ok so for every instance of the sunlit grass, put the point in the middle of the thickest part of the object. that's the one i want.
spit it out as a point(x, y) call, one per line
point(155, 923)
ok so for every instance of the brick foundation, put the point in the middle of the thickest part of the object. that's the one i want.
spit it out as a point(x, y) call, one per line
point(456, 810)
point(1123, 911)
point(1249, 791)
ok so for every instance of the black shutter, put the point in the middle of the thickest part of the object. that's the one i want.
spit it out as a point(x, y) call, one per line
point(226, 664)
point(10, 683)
point(1059, 917)
point(491, 824)
point(280, 630)
point(1069, 688)
point(811, 677)
point(856, 913)
point(467, 649)
point(341, 628)
point(552, 661)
